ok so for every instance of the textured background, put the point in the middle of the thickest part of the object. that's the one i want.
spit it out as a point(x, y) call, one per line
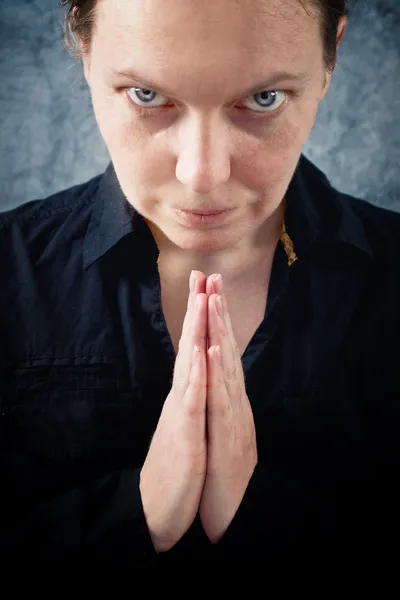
point(49, 139)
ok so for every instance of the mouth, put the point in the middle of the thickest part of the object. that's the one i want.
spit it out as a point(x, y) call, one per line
point(202, 219)
point(205, 212)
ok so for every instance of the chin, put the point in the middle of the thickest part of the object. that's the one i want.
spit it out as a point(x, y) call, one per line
point(205, 241)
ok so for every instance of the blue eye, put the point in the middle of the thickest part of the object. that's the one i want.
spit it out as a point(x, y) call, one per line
point(266, 101)
point(147, 95)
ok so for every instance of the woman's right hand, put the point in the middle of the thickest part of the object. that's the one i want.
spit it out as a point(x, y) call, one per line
point(173, 474)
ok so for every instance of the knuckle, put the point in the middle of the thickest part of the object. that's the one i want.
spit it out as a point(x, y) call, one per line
point(223, 410)
point(231, 374)
point(192, 410)
point(199, 386)
point(236, 352)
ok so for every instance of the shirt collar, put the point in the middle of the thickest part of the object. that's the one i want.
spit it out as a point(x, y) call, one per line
point(319, 215)
point(316, 213)
point(113, 218)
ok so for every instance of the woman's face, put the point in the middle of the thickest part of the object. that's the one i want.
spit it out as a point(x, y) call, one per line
point(224, 126)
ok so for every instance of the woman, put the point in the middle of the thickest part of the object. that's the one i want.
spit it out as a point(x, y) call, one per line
point(141, 427)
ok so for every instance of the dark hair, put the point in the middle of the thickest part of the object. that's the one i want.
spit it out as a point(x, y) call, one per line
point(81, 17)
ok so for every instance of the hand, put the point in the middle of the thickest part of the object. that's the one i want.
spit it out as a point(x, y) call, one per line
point(173, 475)
point(231, 442)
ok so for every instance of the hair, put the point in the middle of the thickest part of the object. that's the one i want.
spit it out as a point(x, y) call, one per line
point(81, 18)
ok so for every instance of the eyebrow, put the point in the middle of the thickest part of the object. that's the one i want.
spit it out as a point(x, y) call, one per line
point(272, 80)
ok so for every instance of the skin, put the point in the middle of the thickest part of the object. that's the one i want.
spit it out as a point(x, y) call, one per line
point(208, 143)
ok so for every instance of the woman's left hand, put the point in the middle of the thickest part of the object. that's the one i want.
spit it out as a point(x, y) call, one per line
point(231, 436)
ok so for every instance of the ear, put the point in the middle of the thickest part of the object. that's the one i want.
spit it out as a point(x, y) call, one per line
point(341, 29)
point(85, 62)
point(340, 33)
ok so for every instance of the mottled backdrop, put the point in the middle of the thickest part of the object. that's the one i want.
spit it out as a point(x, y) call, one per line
point(49, 138)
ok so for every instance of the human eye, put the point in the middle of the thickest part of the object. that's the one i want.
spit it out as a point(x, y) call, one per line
point(265, 103)
point(268, 101)
point(144, 97)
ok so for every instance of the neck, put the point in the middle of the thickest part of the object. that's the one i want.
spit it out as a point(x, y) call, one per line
point(235, 264)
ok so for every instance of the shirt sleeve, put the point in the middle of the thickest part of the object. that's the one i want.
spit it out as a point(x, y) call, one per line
point(100, 522)
point(280, 517)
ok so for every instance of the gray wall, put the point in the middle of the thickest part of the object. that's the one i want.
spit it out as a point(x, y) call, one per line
point(49, 138)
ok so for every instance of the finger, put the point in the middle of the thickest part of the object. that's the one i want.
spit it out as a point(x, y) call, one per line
point(218, 332)
point(212, 333)
point(195, 397)
point(188, 337)
point(221, 332)
point(218, 401)
point(194, 332)
point(210, 287)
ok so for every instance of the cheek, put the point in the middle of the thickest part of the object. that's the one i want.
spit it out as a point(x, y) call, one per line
point(147, 176)
point(258, 167)
point(155, 168)
point(267, 168)
point(121, 132)
point(286, 139)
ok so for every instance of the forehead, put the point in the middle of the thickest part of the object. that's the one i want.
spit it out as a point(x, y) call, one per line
point(251, 26)
point(207, 38)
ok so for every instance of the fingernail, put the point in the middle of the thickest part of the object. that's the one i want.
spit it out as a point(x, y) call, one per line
point(220, 306)
point(218, 279)
point(192, 281)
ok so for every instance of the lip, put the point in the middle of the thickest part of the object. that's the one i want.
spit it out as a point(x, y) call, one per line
point(202, 220)
point(204, 212)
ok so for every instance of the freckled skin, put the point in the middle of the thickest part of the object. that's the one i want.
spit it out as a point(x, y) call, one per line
point(199, 149)
point(209, 145)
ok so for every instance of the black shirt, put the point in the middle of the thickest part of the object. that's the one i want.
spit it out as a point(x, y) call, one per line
point(86, 363)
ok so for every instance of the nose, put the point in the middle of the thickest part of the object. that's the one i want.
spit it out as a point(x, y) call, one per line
point(204, 156)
